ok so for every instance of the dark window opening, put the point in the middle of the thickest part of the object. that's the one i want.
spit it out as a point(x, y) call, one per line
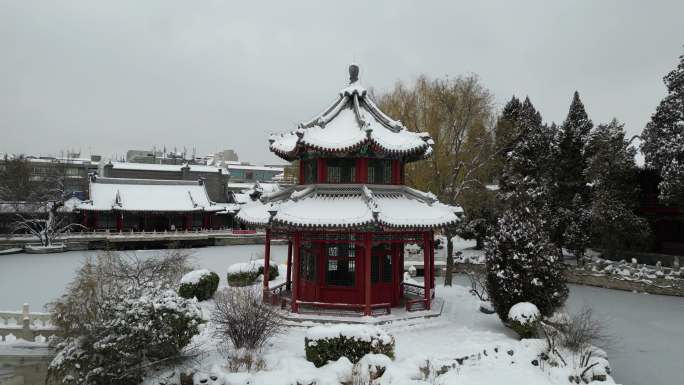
point(341, 170)
point(310, 171)
point(380, 171)
point(341, 264)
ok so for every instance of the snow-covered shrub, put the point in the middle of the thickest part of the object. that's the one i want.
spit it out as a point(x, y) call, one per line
point(200, 284)
point(412, 271)
point(369, 368)
point(246, 273)
point(242, 320)
point(119, 316)
point(523, 266)
point(330, 343)
point(524, 318)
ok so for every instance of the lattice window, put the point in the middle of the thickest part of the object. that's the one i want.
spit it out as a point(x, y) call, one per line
point(380, 171)
point(341, 264)
point(341, 170)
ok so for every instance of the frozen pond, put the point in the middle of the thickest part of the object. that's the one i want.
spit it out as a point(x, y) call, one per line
point(38, 279)
point(647, 329)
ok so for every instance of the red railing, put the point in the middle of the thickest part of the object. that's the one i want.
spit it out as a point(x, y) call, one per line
point(387, 307)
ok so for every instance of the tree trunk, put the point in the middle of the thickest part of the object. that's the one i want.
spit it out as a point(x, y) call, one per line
point(449, 259)
point(479, 245)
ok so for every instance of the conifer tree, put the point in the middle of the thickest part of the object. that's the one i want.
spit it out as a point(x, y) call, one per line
point(569, 177)
point(525, 175)
point(506, 133)
point(522, 264)
point(663, 138)
point(612, 173)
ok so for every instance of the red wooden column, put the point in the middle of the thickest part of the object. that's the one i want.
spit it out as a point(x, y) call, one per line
point(119, 222)
point(427, 276)
point(295, 275)
point(267, 262)
point(288, 278)
point(432, 260)
point(368, 246)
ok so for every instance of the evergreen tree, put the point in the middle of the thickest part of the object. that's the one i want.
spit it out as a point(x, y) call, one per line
point(663, 138)
point(506, 133)
point(569, 177)
point(522, 265)
point(612, 172)
point(525, 175)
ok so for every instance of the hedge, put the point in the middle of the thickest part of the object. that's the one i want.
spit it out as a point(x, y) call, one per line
point(199, 283)
point(245, 274)
point(330, 343)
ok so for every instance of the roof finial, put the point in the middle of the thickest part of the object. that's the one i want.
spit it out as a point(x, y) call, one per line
point(353, 73)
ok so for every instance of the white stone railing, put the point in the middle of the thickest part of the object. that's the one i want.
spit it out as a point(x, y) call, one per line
point(26, 325)
point(110, 233)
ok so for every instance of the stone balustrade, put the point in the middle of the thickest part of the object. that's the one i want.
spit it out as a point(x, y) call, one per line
point(26, 325)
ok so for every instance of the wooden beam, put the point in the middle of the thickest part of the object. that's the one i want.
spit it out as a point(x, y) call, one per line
point(427, 277)
point(367, 272)
point(296, 257)
point(288, 277)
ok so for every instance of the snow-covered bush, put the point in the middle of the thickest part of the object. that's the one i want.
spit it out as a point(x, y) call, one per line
point(330, 343)
point(523, 266)
point(200, 284)
point(369, 368)
point(120, 316)
point(246, 273)
point(524, 318)
point(242, 320)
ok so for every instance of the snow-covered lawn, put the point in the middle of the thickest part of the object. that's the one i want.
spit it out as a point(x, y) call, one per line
point(476, 348)
point(647, 328)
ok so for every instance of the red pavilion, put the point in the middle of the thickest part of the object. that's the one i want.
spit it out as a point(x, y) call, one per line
point(348, 219)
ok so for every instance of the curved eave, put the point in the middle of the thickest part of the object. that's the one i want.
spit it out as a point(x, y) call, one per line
point(416, 153)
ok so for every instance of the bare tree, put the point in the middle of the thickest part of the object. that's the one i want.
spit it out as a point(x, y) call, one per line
point(242, 319)
point(459, 115)
point(38, 197)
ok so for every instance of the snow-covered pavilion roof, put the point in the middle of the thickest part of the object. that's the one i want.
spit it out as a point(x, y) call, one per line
point(121, 194)
point(347, 206)
point(350, 122)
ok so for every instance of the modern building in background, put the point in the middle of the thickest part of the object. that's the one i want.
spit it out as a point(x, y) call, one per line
point(73, 168)
point(243, 172)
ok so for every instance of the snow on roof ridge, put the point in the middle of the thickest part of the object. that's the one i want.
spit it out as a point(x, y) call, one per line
point(391, 206)
point(333, 129)
point(151, 182)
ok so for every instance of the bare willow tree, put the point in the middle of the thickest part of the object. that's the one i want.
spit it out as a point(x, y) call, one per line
point(459, 114)
point(38, 197)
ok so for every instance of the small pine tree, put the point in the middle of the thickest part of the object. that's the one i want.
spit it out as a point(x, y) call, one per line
point(576, 233)
point(663, 137)
point(522, 265)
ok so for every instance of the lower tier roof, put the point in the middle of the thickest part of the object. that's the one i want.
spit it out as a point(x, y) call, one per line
point(348, 206)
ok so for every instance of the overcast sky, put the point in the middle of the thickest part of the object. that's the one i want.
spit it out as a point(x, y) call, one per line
point(107, 76)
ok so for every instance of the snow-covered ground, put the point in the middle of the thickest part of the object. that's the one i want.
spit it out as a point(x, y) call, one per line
point(647, 328)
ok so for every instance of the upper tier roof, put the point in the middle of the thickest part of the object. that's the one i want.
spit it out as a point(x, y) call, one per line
point(350, 122)
point(349, 206)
